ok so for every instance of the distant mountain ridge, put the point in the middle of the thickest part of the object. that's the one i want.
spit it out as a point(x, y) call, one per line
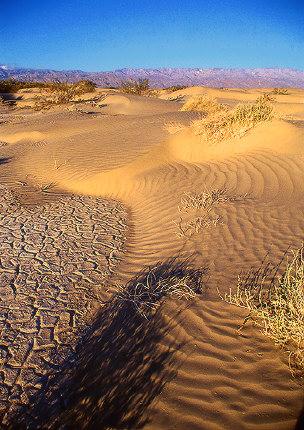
point(165, 77)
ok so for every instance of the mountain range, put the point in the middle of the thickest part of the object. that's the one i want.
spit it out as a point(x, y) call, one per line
point(166, 77)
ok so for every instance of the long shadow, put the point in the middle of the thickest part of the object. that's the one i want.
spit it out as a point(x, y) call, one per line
point(124, 364)
point(5, 160)
point(122, 369)
point(121, 365)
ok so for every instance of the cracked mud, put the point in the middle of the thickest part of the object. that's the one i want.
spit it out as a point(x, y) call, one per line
point(54, 261)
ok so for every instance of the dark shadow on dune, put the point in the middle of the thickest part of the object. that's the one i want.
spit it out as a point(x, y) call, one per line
point(126, 362)
point(5, 160)
point(122, 369)
point(121, 365)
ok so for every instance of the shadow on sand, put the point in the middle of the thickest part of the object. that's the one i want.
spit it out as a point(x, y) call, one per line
point(5, 160)
point(124, 364)
point(120, 367)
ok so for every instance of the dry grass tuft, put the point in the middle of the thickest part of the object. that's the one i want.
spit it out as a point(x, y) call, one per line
point(145, 294)
point(203, 216)
point(206, 104)
point(276, 303)
point(224, 125)
point(204, 200)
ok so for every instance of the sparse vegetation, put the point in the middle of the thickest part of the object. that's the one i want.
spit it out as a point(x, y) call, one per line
point(265, 98)
point(11, 86)
point(224, 125)
point(204, 200)
point(139, 87)
point(276, 303)
point(280, 91)
point(202, 204)
point(205, 103)
point(175, 88)
point(62, 92)
point(147, 292)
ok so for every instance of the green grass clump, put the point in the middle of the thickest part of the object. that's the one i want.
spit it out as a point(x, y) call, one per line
point(224, 125)
point(276, 303)
point(207, 104)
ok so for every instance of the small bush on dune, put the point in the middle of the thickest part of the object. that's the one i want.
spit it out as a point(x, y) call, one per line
point(62, 92)
point(276, 303)
point(207, 104)
point(175, 88)
point(251, 114)
point(86, 86)
point(224, 125)
point(266, 98)
point(138, 87)
point(281, 91)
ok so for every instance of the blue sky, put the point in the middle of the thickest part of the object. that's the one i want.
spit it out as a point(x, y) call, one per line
point(103, 35)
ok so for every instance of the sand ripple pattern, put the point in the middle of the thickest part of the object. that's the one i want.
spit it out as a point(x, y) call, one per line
point(53, 261)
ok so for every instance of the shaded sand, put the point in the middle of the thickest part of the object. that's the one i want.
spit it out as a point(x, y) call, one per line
point(187, 368)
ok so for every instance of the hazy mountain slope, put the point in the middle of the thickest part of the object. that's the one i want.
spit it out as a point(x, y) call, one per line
point(241, 78)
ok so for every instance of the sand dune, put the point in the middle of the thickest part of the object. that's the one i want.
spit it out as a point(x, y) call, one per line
point(122, 151)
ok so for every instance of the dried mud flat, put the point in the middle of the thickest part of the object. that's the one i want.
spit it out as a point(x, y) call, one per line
point(54, 261)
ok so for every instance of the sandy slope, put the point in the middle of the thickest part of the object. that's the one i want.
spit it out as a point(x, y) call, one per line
point(217, 379)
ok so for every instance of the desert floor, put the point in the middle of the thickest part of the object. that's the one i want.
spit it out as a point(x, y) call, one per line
point(91, 197)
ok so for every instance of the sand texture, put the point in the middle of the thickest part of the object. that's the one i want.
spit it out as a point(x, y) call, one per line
point(92, 199)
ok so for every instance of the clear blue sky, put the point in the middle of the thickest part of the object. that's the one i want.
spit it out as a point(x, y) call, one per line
point(103, 35)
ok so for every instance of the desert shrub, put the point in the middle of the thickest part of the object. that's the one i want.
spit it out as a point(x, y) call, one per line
point(265, 98)
point(139, 87)
point(276, 303)
point(251, 114)
point(281, 91)
point(175, 88)
point(58, 92)
point(11, 86)
point(86, 86)
point(207, 104)
point(224, 125)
